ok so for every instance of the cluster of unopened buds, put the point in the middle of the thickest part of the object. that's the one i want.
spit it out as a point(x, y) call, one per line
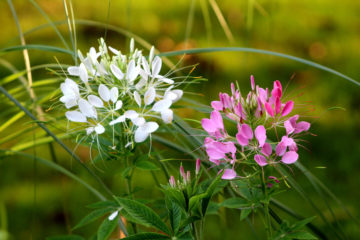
point(185, 178)
point(109, 89)
point(256, 114)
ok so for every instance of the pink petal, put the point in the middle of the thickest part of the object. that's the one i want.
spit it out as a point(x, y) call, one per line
point(302, 126)
point(269, 109)
point(287, 141)
point(287, 108)
point(280, 149)
point(252, 82)
point(214, 153)
point(243, 141)
point(290, 124)
point(246, 131)
point(266, 149)
point(277, 90)
point(232, 86)
point(225, 147)
point(216, 161)
point(262, 95)
point(290, 157)
point(229, 174)
point(277, 105)
point(208, 125)
point(217, 119)
point(260, 159)
point(260, 134)
point(217, 105)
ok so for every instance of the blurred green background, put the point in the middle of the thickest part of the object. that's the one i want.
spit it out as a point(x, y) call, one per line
point(36, 201)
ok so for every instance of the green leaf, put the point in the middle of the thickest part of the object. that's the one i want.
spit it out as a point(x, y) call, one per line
point(65, 237)
point(301, 235)
point(103, 204)
point(302, 223)
point(146, 165)
point(235, 203)
point(143, 214)
point(106, 228)
point(91, 217)
point(146, 236)
point(245, 213)
point(174, 214)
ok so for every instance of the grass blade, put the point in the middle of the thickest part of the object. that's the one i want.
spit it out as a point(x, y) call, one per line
point(260, 51)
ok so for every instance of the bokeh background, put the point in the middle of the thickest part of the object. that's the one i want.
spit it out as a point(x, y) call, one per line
point(36, 201)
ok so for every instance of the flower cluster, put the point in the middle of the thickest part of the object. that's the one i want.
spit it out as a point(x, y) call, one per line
point(185, 178)
point(255, 115)
point(109, 88)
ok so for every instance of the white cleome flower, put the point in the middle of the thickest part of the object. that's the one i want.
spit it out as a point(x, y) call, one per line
point(111, 88)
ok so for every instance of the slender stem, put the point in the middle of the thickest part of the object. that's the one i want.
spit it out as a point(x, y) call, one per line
point(266, 206)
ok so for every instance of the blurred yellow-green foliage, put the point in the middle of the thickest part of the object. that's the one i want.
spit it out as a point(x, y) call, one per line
point(36, 202)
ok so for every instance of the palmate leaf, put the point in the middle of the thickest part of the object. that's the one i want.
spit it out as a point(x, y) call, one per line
point(143, 214)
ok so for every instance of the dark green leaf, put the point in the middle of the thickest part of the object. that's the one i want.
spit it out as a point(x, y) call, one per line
point(106, 228)
point(146, 236)
point(235, 203)
point(146, 165)
point(143, 214)
point(65, 237)
point(174, 211)
point(301, 235)
point(103, 204)
point(245, 213)
point(93, 216)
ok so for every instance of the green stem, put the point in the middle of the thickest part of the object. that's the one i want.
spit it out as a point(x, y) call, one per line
point(266, 207)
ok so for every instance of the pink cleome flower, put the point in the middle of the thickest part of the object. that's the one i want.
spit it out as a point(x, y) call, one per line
point(252, 116)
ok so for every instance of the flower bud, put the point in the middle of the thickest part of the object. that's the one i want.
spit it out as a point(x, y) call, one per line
point(188, 177)
point(172, 181)
point(197, 168)
point(182, 173)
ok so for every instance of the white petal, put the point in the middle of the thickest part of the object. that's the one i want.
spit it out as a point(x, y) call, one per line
point(118, 120)
point(167, 115)
point(114, 51)
point(156, 66)
point(95, 101)
point(131, 114)
point(139, 121)
point(118, 105)
point(83, 73)
point(179, 94)
point(132, 71)
point(87, 109)
point(75, 116)
point(137, 98)
point(140, 135)
point(73, 70)
point(141, 84)
point(150, 127)
point(69, 101)
point(162, 105)
point(113, 215)
point(132, 45)
point(149, 96)
point(166, 80)
point(114, 94)
point(104, 92)
point(145, 66)
point(89, 130)
point(117, 72)
point(99, 129)
point(151, 54)
point(170, 95)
